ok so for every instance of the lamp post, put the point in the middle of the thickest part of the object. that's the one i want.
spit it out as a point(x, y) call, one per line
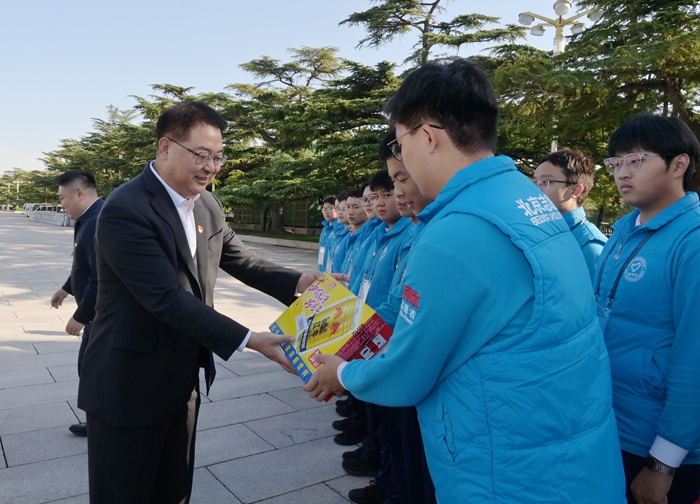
point(561, 9)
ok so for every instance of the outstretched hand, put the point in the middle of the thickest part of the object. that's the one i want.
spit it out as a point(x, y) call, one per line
point(268, 344)
point(307, 279)
point(325, 381)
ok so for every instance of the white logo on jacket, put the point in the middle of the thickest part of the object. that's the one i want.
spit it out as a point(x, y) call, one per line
point(636, 269)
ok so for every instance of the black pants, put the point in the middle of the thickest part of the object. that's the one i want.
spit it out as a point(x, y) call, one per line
point(143, 466)
point(685, 488)
point(83, 345)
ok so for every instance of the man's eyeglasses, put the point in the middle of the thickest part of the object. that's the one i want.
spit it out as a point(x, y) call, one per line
point(369, 200)
point(544, 184)
point(633, 162)
point(394, 144)
point(203, 158)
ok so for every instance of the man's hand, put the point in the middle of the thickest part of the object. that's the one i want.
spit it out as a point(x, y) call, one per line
point(58, 297)
point(325, 381)
point(307, 279)
point(651, 487)
point(268, 344)
point(74, 327)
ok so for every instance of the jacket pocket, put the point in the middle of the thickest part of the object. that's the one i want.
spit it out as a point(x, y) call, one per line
point(133, 342)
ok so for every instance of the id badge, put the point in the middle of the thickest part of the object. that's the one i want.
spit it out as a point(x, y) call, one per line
point(364, 289)
point(321, 255)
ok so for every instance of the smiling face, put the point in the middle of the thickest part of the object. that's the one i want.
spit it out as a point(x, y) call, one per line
point(409, 199)
point(71, 198)
point(177, 166)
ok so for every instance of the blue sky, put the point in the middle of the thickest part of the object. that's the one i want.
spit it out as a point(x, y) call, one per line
point(64, 61)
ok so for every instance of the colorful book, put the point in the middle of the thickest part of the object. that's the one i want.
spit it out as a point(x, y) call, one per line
point(329, 319)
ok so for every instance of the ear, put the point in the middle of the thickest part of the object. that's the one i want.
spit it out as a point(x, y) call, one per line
point(679, 165)
point(576, 190)
point(80, 192)
point(430, 137)
point(163, 148)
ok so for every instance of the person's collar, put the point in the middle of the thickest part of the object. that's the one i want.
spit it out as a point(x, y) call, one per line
point(88, 208)
point(177, 199)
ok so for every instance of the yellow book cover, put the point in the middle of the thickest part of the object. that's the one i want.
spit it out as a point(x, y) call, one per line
point(327, 318)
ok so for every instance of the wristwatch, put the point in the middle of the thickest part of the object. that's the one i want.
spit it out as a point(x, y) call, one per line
point(658, 466)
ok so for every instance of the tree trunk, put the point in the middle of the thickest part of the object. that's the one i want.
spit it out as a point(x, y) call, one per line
point(277, 214)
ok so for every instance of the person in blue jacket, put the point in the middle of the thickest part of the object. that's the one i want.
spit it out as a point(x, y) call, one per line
point(504, 361)
point(340, 230)
point(329, 218)
point(356, 216)
point(567, 176)
point(647, 287)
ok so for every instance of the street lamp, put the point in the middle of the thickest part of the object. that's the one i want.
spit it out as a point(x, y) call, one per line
point(561, 9)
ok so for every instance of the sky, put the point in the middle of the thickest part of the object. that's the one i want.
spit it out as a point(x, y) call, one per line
point(63, 62)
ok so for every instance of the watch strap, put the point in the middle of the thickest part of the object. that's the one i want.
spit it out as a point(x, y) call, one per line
point(656, 465)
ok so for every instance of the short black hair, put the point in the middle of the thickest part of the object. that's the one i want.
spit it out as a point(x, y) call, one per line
point(381, 181)
point(458, 96)
point(355, 193)
point(178, 121)
point(664, 135)
point(384, 149)
point(577, 167)
point(341, 197)
point(83, 178)
point(329, 199)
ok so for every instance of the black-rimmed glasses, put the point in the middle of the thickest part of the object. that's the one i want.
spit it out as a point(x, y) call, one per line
point(203, 158)
point(394, 144)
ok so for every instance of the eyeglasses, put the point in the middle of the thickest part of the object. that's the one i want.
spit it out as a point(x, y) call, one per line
point(394, 144)
point(203, 158)
point(633, 161)
point(369, 200)
point(544, 184)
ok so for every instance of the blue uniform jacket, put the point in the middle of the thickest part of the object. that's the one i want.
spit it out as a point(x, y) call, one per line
point(322, 242)
point(588, 236)
point(652, 325)
point(504, 361)
point(337, 234)
point(363, 255)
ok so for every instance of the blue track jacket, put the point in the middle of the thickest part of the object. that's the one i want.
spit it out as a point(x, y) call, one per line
point(651, 324)
point(322, 243)
point(504, 361)
point(588, 236)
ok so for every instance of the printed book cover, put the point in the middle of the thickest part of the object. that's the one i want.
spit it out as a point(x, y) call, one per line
point(329, 319)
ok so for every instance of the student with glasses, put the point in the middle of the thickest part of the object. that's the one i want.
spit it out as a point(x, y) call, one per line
point(647, 287)
point(330, 217)
point(566, 177)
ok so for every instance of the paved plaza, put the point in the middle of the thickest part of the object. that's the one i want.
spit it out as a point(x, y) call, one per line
point(260, 438)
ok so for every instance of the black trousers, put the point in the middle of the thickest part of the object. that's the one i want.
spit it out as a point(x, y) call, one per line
point(685, 488)
point(152, 465)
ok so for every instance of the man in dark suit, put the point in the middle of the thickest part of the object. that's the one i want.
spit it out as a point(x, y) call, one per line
point(77, 193)
point(161, 239)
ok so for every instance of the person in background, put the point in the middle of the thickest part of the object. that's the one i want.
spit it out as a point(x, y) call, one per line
point(330, 216)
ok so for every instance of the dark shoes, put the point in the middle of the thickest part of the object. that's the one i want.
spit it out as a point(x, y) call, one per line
point(79, 429)
point(371, 494)
point(360, 467)
point(341, 425)
point(353, 454)
point(344, 410)
point(352, 435)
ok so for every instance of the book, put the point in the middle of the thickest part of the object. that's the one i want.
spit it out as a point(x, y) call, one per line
point(329, 319)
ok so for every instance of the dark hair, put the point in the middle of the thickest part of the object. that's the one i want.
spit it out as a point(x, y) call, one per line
point(329, 199)
point(664, 135)
point(341, 197)
point(577, 167)
point(355, 193)
point(458, 96)
point(83, 178)
point(384, 149)
point(381, 180)
point(179, 120)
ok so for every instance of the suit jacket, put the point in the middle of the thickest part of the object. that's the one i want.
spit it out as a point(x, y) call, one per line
point(155, 323)
point(82, 282)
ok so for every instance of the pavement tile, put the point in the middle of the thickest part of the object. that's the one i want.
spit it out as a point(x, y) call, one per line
point(33, 418)
point(66, 372)
point(298, 399)
point(25, 358)
point(227, 443)
point(251, 366)
point(295, 428)
point(78, 499)
point(346, 483)
point(39, 445)
point(71, 344)
point(285, 470)
point(44, 481)
point(317, 493)
point(19, 397)
point(244, 409)
point(250, 385)
point(23, 377)
point(207, 489)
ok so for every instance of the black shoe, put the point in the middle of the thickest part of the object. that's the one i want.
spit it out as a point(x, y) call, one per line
point(353, 454)
point(341, 425)
point(341, 402)
point(344, 410)
point(352, 435)
point(359, 467)
point(371, 494)
point(79, 429)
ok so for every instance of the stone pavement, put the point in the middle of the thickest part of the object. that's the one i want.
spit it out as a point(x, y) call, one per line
point(260, 438)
